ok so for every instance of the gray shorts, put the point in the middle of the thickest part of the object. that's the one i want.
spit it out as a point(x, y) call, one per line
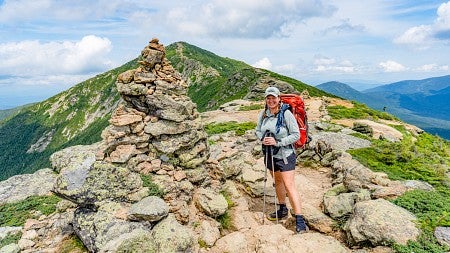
point(279, 164)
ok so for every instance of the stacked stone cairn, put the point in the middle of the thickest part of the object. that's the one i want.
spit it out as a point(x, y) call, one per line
point(154, 135)
point(157, 131)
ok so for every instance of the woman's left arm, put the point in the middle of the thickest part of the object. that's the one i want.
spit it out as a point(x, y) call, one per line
point(293, 130)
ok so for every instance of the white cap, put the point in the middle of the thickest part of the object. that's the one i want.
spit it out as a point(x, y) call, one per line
point(272, 91)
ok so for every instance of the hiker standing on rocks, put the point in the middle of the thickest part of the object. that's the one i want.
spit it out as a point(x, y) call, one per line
point(281, 161)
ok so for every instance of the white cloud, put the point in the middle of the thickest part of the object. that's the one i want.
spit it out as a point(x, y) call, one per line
point(251, 18)
point(419, 36)
point(323, 64)
point(433, 67)
point(35, 58)
point(424, 35)
point(264, 63)
point(392, 66)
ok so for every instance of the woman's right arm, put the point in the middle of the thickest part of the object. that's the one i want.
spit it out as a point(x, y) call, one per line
point(258, 131)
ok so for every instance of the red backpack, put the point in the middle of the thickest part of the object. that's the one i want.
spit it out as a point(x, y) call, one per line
point(297, 107)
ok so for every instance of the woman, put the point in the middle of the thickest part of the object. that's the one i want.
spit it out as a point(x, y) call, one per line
point(283, 155)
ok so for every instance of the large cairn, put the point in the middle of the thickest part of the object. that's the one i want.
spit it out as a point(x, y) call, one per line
point(147, 181)
point(157, 130)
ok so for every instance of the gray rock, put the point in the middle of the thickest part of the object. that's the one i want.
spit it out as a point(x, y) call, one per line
point(20, 187)
point(442, 235)
point(254, 180)
point(151, 209)
point(101, 181)
point(136, 241)
point(339, 141)
point(341, 204)
point(97, 229)
point(10, 248)
point(212, 204)
point(379, 222)
point(417, 184)
point(5, 231)
point(170, 236)
point(233, 242)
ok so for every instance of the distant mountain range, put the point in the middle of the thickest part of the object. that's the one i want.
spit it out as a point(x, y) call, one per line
point(424, 103)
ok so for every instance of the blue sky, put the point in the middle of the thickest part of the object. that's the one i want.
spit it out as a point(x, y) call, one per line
point(46, 46)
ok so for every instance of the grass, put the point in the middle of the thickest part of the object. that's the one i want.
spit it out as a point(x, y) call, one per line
point(238, 128)
point(224, 220)
point(153, 189)
point(73, 244)
point(359, 111)
point(424, 157)
point(15, 214)
point(251, 107)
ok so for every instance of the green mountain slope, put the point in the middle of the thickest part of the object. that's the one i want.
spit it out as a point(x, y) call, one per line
point(215, 80)
point(78, 115)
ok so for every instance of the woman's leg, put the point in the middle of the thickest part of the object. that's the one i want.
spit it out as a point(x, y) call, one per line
point(287, 177)
point(280, 188)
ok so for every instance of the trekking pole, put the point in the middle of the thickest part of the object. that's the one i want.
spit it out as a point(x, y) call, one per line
point(265, 182)
point(274, 186)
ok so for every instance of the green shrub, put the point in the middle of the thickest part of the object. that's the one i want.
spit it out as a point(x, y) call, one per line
point(238, 128)
point(153, 189)
point(15, 214)
point(227, 197)
point(251, 107)
point(424, 157)
point(224, 220)
point(359, 111)
point(73, 245)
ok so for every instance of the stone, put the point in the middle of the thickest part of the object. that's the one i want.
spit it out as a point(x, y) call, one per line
point(101, 181)
point(124, 120)
point(211, 203)
point(127, 76)
point(209, 232)
point(122, 153)
point(379, 222)
point(10, 248)
point(233, 242)
point(136, 241)
point(99, 230)
point(442, 235)
point(170, 236)
point(5, 231)
point(151, 209)
point(19, 187)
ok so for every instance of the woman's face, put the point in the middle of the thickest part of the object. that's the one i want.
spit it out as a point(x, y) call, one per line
point(272, 101)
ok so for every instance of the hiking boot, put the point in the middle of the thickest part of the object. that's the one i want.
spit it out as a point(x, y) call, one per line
point(300, 225)
point(282, 213)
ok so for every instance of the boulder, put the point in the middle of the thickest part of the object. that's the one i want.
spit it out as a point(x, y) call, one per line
point(380, 222)
point(442, 235)
point(20, 187)
point(99, 230)
point(151, 209)
point(100, 181)
point(170, 236)
point(211, 203)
